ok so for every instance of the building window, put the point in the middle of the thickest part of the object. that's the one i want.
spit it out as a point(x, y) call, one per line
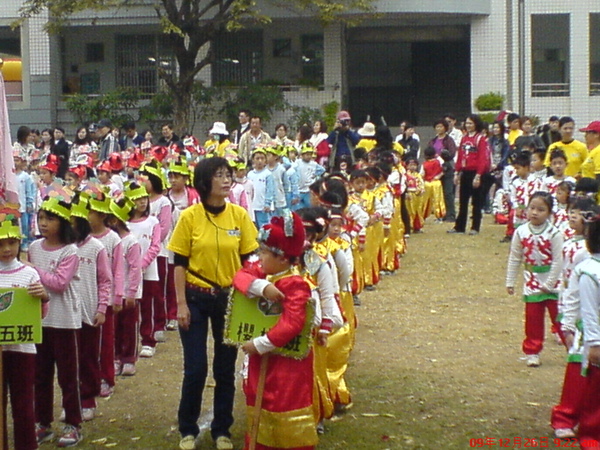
point(282, 48)
point(595, 54)
point(550, 37)
point(238, 58)
point(138, 60)
point(12, 71)
point(312, 58)
point(94, 52)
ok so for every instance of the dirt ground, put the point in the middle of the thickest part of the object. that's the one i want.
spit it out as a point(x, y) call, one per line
point(437, 364)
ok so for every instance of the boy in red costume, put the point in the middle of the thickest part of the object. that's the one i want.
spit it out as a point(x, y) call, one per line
point(285, 416)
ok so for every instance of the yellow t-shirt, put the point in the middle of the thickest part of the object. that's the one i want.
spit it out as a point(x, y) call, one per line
point(214, 243)
point(218, 148)
point(591, 166)
point(367, 144)
point(576, 153)
point(513, 135)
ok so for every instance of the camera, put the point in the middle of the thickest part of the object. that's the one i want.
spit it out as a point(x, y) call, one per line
point(345, 122)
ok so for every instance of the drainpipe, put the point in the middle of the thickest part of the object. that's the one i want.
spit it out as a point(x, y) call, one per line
point(521, 34)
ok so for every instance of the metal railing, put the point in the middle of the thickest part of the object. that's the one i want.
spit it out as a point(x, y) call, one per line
point(550, 89)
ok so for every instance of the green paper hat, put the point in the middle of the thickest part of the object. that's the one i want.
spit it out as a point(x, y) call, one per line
point(8, 230)
point(80, 208)
point(307, 147)
point(57, 206)
point(101, 206)
point(179, 167)
point(134, 194)
point(121, 212)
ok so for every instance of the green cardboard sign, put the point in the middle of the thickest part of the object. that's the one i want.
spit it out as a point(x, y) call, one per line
point(248, 318)
point(20, 317)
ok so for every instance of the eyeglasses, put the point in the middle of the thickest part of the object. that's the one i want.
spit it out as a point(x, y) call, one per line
point(223, 174)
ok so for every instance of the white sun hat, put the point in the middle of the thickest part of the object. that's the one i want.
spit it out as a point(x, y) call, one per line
point(219, 128)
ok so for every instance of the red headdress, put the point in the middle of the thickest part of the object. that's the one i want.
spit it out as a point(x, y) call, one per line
point(284, 235)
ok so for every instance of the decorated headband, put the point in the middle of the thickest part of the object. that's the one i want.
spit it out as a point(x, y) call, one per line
point(8, 230)
point(260, 150)
point(306, 147)
point(134, 194)
point(121, 212)
point(57, 206)
point(80, 208)
point(180, 167)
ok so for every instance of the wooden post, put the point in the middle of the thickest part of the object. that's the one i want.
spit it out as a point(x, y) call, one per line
point(260, 390)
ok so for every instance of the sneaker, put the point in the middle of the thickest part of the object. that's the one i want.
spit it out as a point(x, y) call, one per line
point(159, 336)
point(505, 239)
point(88, 414)
point(128, 370)
point(564, 433)
point(187, 443)
point(43, 434)
point(118, 367)
point(454, 231)
point(473, 233)
point(533, 361)
point(321, 428)
point(370, 288)
point(71, 436)
point(224, 443)
point(105, 390)
point(147, 351)
point(172, 325)
point(63, 416)
point(356, 299)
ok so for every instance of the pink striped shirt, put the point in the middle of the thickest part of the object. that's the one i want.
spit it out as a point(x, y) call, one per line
point(132, 267)
point(114, 249)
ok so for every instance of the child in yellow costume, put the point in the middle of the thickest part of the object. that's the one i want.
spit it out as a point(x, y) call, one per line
point(433, 198)
point(414, 194)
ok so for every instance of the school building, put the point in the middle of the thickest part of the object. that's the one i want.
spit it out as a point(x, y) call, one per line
point(414, 60)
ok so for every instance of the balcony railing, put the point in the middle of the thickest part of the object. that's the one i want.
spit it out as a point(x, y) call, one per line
point(550, 89)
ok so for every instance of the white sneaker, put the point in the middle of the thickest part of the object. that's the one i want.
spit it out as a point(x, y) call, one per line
point(147, 351)
point(63, 416)
point(533, 361)
point(172, 325)
point(160, 336)
point(187, 443)
point(564, 433)
point(88, 414)
point(224, 443)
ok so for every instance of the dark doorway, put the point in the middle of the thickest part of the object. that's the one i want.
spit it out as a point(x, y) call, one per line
point(391, 77)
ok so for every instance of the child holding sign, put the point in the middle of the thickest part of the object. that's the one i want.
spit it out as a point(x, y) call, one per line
point(279, 389)
point(18, 360)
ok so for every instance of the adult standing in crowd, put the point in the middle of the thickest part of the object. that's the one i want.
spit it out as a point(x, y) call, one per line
point(131, 139)
point(210, 242)
point(528, 138)
point(549, 132)
point(107, 142)
point(472, 163)
point(168, 136)
point(62, 149)
point(253, 138)
point(591, 167)
point(455, 133)
point(244, 119)
point(444, 146)
point(342, 139)
point(575, 151)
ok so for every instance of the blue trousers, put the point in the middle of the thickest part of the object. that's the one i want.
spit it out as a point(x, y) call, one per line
point(205, 307)
point(304, 200)
point(262, 218)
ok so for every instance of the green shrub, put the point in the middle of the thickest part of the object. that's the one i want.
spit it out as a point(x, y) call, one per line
point(330, 110)
point(491, 101)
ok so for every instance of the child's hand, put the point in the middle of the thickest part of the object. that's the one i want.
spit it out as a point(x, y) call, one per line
point(37, 290)
point(510, 290)
point(129, 303)
point(594, 355)
point(322, 338)
point(569, 338)
point(249, 348)
point(272, 293)
point(99, 319)
point(117, 308)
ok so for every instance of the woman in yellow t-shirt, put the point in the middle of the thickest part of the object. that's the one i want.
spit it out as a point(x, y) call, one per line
point(591, 167)
point(218, 142)
point(210, 241)
point(575, 151)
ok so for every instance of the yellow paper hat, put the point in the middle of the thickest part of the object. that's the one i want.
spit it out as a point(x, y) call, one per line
point(121, 212)
point(179, 167)
point(307, 147)
point(8, 228)
point(134, 194)
point(57, 206)
point(80, 207)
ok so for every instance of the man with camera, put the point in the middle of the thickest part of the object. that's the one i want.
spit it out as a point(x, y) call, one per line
point(342, 140)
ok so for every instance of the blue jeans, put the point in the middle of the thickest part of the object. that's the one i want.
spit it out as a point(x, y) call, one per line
point(204, 307)
point(262, 218)
point(304, 200)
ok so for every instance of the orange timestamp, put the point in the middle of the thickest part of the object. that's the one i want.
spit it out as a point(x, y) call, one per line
point(521, 442)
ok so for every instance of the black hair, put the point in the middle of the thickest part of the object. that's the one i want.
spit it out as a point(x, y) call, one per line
point(445, 155)
point(66, 234)
point(384, 137)
point(335, 187)
point(156, 182)
point(120, 225)
point(323, 125)
point(315, 187)
point(23, 133)
point(384, 168)
point(450, 116)
point(358, 173)
point(360, 153)
point(86, 140)
point(82, 229)
point(429, 153)
point(129, 126)
point(565, 185)
point(204, 173)
point(546, 197)
point(61, 129)
point(540, 151)
point(374, 173)
point(557, 153)
point(592, 235)
point(167, 124)
point(311, 215)
point(441, 122)
point(512, 117)
point(522, 159)
point(582, 204)
point(502, 129)
point(412, 159)
point(565, 119)
point(279, 125)
point(587, 185)
point(133, 186)
point(247, 112)
point(305, 133)
point(479, 126)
